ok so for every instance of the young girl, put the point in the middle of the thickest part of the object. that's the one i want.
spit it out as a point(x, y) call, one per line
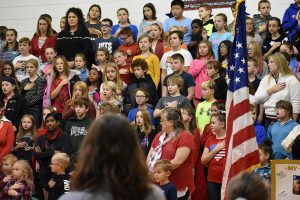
point(293, 64)
point(21, 186)
point(7, 169)
point(93, 23)
point(197, 68)
point(80, 65)
point(80, 90)
point(214, 155)
point(60, 84)
point(111, 73)
point(46, 68)
point(149, 13)
point(157, 43)
point(8, 70)
point(223, 54)
point(24, 139)
point(94, 82)
point(176, 40)
point(274, 38)
point(188, 118)
point(251, 35)
point(10, 50)
point(197, 28)
point(217, 37)
point(62, 23)
point(255, 52)
point(213, 69)
point(124, 21)
point(152, 60)
point(102, 58)
point(144, 129)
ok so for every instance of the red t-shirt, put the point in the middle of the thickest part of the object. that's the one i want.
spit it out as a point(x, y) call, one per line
point(62, 97)
point(7, 138)
point(134, 51)
point(182, 176)
point(126, 78)
point(217, 164)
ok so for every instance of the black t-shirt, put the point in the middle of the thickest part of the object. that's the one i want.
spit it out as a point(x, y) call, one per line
point(188, 82)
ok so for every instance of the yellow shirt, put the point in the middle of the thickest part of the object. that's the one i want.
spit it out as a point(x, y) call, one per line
point(153, 67)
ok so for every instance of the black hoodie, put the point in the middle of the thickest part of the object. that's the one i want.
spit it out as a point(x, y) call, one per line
point(76, 129)
point(62, 186)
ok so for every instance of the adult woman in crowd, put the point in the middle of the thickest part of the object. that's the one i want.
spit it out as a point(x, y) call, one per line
point(280, 84)
point(47, 145)
point(7, 135)
point(93, 23)
point(32, 89)
point(111, 164)
point(176, 144)
point(15, 104)
point(75, 38)
point(43, 38)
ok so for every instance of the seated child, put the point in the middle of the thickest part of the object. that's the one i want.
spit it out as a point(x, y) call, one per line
point(60, 182)
point(162, 172)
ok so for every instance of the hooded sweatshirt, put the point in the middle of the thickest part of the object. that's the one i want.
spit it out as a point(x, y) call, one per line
point(76, 129)
point(277, 132)
point(289, 21)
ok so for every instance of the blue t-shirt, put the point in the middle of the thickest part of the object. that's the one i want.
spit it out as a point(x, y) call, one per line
point(133, 111)
point(216, 38)
point(169, 191)
point(168, 23)
point(133, 28)
point(110, 44)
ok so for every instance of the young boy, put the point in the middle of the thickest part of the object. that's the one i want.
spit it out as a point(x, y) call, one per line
point(183, 23)
point(20, 61)
point(141, 98)
point(162, 171)
point(120, 58)
point(205, 16)
point(260, 131)
point(80, 66)
point(76, 127)
point(233, 11)
point(107, 40)
point(129, 45)
point(177, 64)
point(140, 80)
point(8, 162)
point(252, 68)
point(203, 111)
point(265, 155)
point(260, 20)
point(60, 182)
point(175, 99)
point(280, 129)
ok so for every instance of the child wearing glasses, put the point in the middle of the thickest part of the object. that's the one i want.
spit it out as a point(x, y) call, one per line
point(129, 45)
point(60, 182)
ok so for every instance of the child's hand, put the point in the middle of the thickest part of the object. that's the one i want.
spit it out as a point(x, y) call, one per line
point(192, 43)
point(37, 149)
point(20, 65)
point(65, 81)
point(19, 145)
point(262, 28)
point(16, 186)
point(172, 104)
point(220, 146)
point(6, 178)
point(37, 166)
point(183, 29)
point(51, 183)
point(123, 71)
point(28, 86)
point(29, 148)
point(12, 192)
point(168, 59)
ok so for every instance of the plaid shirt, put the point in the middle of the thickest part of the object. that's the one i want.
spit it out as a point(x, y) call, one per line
point(24, 193)
point(264, 172)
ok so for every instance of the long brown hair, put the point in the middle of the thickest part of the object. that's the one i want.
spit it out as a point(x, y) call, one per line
point(112, 156)
point(66, 67)
point(49, 26)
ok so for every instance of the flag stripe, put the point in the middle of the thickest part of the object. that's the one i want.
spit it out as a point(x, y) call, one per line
point(242, 150)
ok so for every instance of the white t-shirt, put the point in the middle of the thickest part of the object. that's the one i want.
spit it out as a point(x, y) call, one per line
point(21, 73)
point(165, 65)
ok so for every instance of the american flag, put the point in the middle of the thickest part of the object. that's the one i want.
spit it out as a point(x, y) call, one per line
point(241, 144)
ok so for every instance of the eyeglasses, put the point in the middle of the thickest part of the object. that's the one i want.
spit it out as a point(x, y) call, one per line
point(124, 38)
point(105, 25)
point(140, 96)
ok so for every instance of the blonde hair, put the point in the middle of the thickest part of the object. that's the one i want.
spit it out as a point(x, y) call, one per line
point(257, 55)
point(118, 80)
point(84, 89)
point(146, 126)
point(27, 172)
point(34, 62)
point(209, 84)
point(111, 85)
point(164, 164)
point(12, 158)
point(21, 131)
point(282, 63)
point(63, 160)
point(177, 80)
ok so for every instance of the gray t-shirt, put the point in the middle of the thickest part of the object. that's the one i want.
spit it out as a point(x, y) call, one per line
point(181, 101)
point(155, 194)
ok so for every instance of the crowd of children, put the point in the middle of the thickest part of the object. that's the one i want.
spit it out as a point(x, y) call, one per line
point(48, 99)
